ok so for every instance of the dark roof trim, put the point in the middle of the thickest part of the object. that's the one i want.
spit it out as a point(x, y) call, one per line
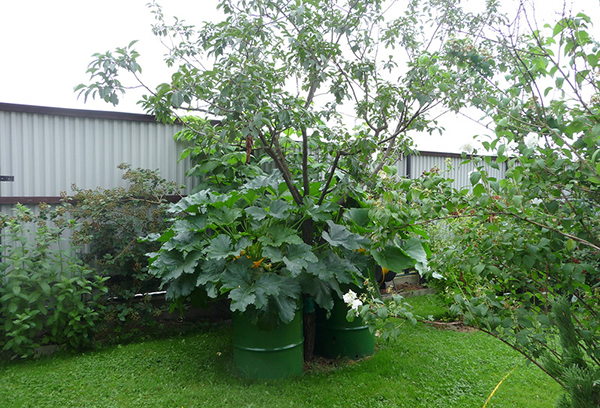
point(439, 154)
point(28, 200)
point(444, 154)
point(79, 113)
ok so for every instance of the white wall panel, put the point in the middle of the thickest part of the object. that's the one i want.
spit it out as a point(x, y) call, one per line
point(414, 166)
point(46, 153)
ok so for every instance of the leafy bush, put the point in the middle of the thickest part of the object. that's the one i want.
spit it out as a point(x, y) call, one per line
point(544, 266)
point(47, 295)
point(111, 222)
point(459, 246)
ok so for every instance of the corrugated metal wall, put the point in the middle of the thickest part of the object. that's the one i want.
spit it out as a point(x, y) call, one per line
point(47, 153)
point(47, 150)
point(413, 166)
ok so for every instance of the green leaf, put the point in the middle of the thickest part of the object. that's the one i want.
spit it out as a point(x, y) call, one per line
point(45, 288)
point(274, 254)
point(34, 296)
point(281, 291)
point(360, 216)
point(272, 180)
point(517, 200)
point(226, 215)
point(12, 307)
point(478, 269)
point(238, 274)
point(479, 190)
point(256, 212)
point(270, 284)
point(321, 212)
point(209, 276)
point(592, 59)
point(277, 236)
point(339, 236)
point(382, 312)
point(493, 322)
point(559, 27)
point(279, 209)
point(298, 257)
point(529, 261)
point(413, 247)
point(210, 270)
point(287, 307)
point(177, 99)
point(495, 186)
point(267, 285)
point(475, 177)
point(331, 268)
point(552, 206)
point(319, 290)
point(172, 264)
point(394, 259)
point(220, 247)
point(241, 298)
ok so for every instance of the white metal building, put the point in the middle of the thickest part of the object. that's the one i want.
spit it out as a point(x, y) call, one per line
point(44, 150)
point(413, 166)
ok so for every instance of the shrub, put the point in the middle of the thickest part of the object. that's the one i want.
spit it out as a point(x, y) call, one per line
point(47, 295)
point(111, 222)
point(454, 258)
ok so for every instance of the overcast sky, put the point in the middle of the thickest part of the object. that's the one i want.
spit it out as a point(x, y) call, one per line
point(46, 46)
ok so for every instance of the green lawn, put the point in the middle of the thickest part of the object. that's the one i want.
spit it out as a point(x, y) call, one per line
point(425, 367)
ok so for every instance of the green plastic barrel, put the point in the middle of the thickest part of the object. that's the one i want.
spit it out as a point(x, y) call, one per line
point(268, 354)
point(336, 337)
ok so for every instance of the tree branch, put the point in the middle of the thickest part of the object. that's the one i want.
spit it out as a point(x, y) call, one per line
point(277, 156)
point(331, 173)
point(305, 180)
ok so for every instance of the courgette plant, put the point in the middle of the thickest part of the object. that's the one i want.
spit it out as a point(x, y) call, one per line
point(248, 244)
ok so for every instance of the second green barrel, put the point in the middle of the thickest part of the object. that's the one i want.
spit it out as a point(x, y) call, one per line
point(336, 337)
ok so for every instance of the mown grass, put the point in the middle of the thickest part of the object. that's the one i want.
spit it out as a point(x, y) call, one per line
point(425, 367)
point(429, 306)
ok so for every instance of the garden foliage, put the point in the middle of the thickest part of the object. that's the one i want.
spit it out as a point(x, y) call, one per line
point(47, 295)
point(273, 78)
point(245, 243)
point(521, 244)
point(110, 223)
point(531, 241)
